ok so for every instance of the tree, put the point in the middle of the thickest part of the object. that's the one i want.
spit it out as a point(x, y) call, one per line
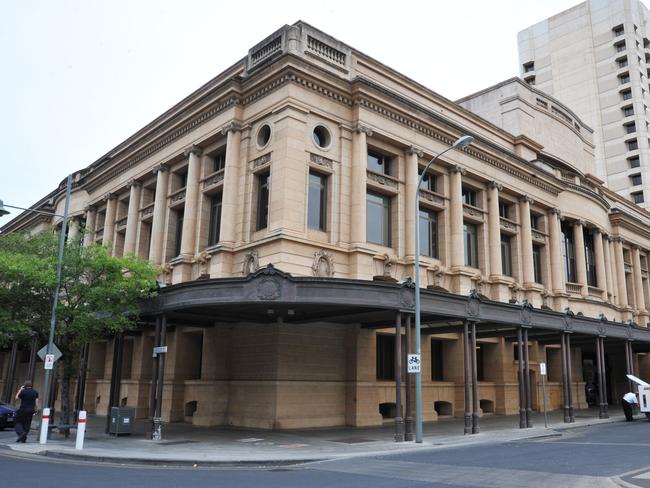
point(99, 294)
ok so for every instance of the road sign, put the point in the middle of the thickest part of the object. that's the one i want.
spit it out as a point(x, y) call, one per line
point(55, 351)
point(49, 361)
point(542, 369)
point(413, 363)
point(159, 350)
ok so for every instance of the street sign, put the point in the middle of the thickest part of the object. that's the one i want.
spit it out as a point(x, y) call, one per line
point(413, 363)
point(159, 350)
point(542, 369)
point(55, 351)
point(49, 361)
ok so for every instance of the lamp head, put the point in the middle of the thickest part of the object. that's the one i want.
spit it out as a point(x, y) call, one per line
point(463, 141)
point(3, 210)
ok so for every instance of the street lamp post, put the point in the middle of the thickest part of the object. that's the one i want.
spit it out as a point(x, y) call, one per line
point(59, 266)
point(458, 144)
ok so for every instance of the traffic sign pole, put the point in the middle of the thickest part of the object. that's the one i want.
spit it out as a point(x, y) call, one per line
point(542, 371)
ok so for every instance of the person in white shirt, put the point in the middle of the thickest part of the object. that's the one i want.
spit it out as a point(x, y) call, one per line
point(628, 403)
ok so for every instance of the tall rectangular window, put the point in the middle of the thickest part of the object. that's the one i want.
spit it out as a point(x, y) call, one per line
point(429, 182)
point(317, 204)
point(569, 253)
point(215, 219)
point(219, 161)
point(379, 163)
point(428, 233)
point(504, 210)
point(385, 357)
point(437, 360)
point(378, 213)
point(590, 258)
point(470, 232)
point(537, 263)
point(469, 196)
point(178, 235)
point(506, 255)
point(263, 181)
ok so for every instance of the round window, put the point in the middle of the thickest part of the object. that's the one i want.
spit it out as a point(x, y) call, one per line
point(263, 135)
point(321, 136)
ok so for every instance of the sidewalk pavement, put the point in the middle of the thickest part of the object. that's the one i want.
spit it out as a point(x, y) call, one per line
point(186, 445)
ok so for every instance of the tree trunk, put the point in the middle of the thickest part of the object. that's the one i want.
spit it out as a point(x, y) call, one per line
point(65, 401)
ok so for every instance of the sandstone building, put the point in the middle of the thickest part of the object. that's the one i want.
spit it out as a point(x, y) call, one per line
point(595, 58)
point(279, 201)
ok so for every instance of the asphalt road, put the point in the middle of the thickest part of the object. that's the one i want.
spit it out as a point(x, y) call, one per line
point(590, 457)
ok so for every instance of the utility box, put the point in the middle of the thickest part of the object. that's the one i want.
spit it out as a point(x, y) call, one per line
point(122, 419)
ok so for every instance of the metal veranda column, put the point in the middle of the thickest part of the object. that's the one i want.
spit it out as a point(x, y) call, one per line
point(160, 383)
point(628, 365)
point(7, 395)
point(565, 391)
point(569, 368)
point(600, 369)
point(154, 372)
point(604, 365)
point(468, 418)
point(527, 385)
point(408, 414)
point(475, 423)
point(399, 420)
point(522, 390)
point(116, 377)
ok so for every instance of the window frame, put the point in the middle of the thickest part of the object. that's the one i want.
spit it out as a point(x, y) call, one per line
point(322, 200)
point(386, 206)
point(263, 181)
point(214, 225)
point(470, 244)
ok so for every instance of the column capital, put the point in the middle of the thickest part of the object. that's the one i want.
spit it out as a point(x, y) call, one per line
point(193, 149)
point(616, 239)
point(160, 167)
point(526, 198)
point(555, 211)
point(415, 150)
point(457, 168)
point(133, 184)
point(90, 208)
point(635, 247)
point(232, 126)
point(109, 196)
point(495, 184)
point(580, 222)
point(359, 128)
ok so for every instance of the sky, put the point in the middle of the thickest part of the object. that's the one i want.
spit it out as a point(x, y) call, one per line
point(79, 77)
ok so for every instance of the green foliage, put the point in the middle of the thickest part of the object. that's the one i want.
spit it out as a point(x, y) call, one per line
point(99, 293)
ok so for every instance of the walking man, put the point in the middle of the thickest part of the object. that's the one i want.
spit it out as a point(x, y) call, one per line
point(28, 397)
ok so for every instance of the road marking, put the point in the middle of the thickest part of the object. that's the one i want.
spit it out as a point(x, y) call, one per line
point(638, 444)
point(464, 475)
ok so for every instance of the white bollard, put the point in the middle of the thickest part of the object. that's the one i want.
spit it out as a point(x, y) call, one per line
point(81, 430)
point(45, 422)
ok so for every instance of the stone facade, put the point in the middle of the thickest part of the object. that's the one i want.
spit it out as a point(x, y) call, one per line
point(305, 155)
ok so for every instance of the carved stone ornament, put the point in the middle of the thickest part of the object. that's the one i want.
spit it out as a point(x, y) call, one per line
point(415, 150)
point(363, 129)
point(407, 294)
point(251, 263)
point(526, 198)
point(438, 275)
point(473, 304)
point(193, 149)
point(167, 273)
point(514, 291)
point(389, 265)
point(269, 288)
point(160, 167)
point(321, 160)
point(479, 283)
point(134, 184)
point(323, 265)
point(495, 184)
point(381, 179)
point(231, 127)
point(202, 260)
point(457, 168)
point(628, 330)
point(261, 161)
point(545, 299)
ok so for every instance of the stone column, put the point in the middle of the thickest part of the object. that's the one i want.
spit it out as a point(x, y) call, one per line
point(132, 217)
point(638, 280)
point(613, 275)
point(581, 260)
point(109, 219)
point(412, 174)
point(73, 229)
point(526, 236)
point(230, 184)
point(557, 271)
point(358, 186)
point(494, 228)
point(190, 213)
point(91, 217)
point(599, 256)
point(159, 213)
point(620, 271)
point(456, 216)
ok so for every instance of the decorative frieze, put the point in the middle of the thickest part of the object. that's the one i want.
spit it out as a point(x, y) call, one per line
point(261, 161)
point(382, 179)
point(473, 212)
point(321, 160)
point(179, 196)
point(213, 179)
point(121, 223)
point(432, 197)
point(574, 288)
point(146, 211)
point(537, 235)
point(508, 225)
